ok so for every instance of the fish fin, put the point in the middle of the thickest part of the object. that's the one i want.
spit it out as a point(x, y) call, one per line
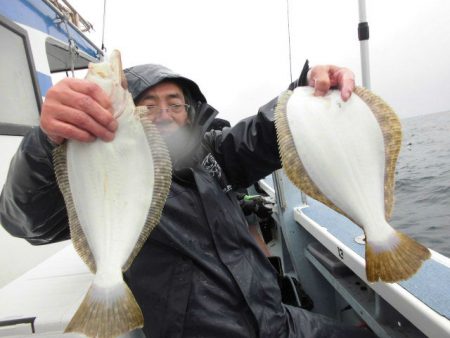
point(292, 163)
point(392, 135)
point(107, 312)
point(400, 262)
point(163, 175)
point(140, 112)
point(79, 240)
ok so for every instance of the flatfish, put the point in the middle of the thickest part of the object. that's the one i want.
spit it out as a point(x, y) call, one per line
point(114, 193)
point(344, 155)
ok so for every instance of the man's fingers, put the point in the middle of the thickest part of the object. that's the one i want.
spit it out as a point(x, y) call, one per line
point(77, 109)
point(322, 78)
point(82, 121)
point(91, 99)
point(347, 89)
point(319, 78)
point(84, 96)
point(65, 117)
point(67, 131)
point(91, 89)
point(344, 79)
point(89, 106)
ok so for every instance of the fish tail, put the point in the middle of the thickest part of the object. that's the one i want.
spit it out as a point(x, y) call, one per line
point(107, 312)
point(397, 263)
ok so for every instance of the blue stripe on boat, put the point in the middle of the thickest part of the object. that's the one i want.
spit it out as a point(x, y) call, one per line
point(45, 82)
point(39, 15)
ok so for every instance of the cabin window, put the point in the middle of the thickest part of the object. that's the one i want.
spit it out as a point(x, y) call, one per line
point(20, 98)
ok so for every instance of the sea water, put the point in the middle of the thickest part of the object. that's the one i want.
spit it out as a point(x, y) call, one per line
point(422, 192)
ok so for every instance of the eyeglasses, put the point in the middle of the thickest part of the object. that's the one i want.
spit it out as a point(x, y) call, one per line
point(172, 109)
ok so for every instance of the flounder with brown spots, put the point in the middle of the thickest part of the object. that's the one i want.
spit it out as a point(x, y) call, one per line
point(114, 193)
point(344, 154)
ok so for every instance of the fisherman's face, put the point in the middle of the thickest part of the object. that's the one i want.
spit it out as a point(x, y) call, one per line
point(166, 96)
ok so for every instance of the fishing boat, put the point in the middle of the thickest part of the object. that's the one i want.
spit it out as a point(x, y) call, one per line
point(319, 254)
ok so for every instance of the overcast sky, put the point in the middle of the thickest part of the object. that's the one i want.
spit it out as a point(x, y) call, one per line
point(237, 50)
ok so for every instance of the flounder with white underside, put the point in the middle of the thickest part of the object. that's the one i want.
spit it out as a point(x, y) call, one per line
point(344, 154)
point(114, 194)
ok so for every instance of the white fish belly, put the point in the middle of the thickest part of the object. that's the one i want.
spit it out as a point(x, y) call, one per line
point(111, 185)
point(341, 147)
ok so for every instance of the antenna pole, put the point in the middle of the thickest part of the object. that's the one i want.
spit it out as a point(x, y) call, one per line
point(363, 36)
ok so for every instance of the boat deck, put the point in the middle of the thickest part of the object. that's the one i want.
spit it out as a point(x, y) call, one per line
point(423, 298)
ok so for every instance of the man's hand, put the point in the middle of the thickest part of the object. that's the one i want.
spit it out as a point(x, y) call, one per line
point(77, 109)
point(322, 78)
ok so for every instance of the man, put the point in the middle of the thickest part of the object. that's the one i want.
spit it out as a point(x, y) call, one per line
point(200, 273)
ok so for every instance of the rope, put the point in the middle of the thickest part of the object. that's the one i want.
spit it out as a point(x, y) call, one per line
point(103, 29)
point(72, 46)
point(289, 39)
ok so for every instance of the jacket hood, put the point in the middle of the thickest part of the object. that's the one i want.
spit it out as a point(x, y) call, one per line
point(142, 77)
